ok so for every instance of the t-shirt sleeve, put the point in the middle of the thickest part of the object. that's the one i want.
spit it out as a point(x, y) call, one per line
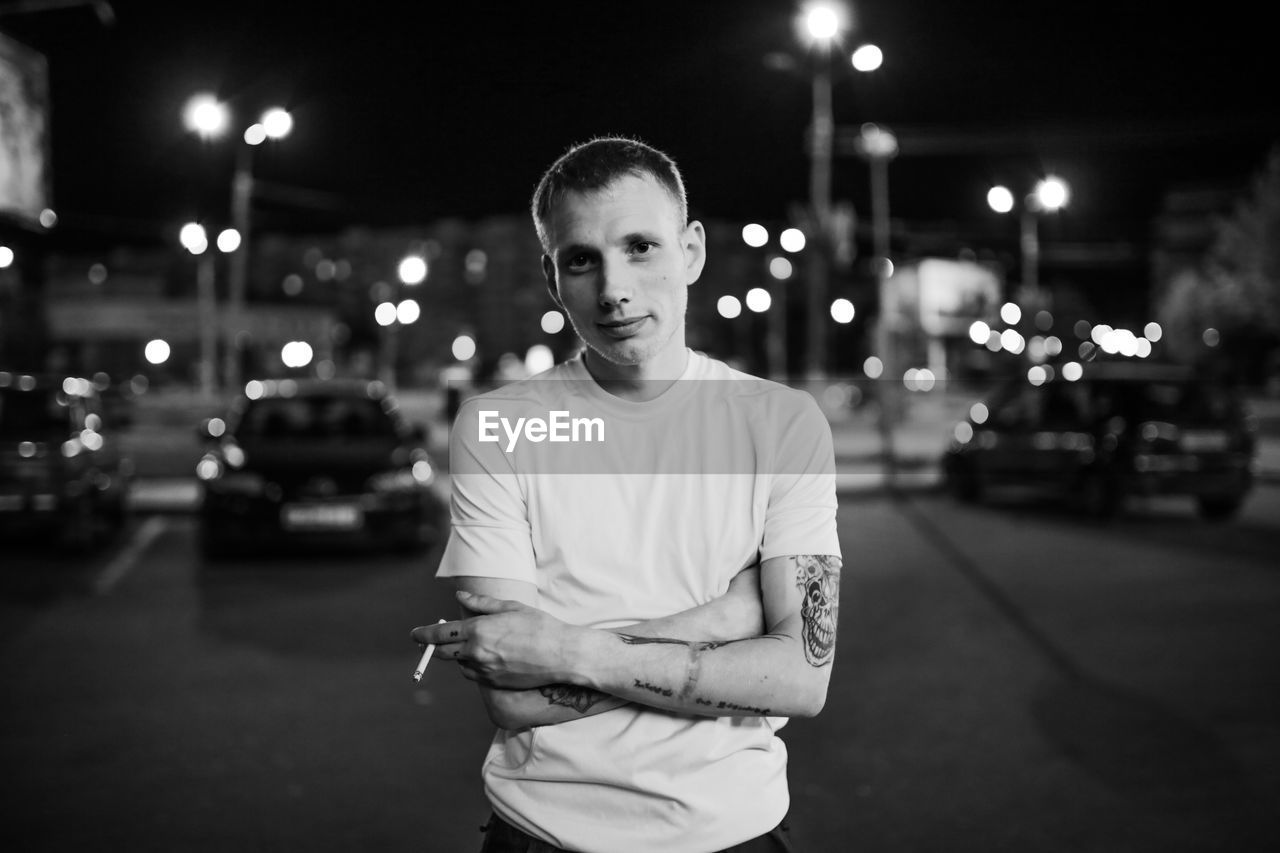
point(489, 532)
point(801, 516)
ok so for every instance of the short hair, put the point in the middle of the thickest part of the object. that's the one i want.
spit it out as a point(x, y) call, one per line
point(595, 164)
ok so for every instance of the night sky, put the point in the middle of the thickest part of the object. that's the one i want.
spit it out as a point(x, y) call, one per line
point(405, 112)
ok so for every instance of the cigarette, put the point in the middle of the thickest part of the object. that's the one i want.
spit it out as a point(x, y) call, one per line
point(426, 658)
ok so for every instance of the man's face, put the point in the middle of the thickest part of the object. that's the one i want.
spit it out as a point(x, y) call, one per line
point(619, 264)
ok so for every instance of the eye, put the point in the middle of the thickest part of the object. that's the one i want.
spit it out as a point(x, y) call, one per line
point(643, 247)
point(579, 263)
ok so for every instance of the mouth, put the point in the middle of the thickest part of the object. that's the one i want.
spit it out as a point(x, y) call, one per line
point(623, 328)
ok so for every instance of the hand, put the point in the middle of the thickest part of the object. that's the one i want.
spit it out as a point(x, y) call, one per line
point(509, 645)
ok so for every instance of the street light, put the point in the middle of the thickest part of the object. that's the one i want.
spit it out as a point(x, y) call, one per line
point(822, 25)
point(195, 240)
point(1049, 195)
point(207, 116)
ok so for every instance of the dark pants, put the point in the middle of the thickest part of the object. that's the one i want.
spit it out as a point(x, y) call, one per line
point(502, 837)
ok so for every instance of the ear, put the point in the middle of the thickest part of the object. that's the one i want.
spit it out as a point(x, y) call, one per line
point(694, 243)
point(549, 273)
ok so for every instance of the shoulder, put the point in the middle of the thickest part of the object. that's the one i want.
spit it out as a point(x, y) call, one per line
point(763, 396)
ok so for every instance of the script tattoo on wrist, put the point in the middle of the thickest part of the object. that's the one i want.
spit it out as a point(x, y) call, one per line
point(579, 699)
point(818, 577)
point(633, 640)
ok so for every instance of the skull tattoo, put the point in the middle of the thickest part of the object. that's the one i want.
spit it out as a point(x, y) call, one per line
point(818, 577)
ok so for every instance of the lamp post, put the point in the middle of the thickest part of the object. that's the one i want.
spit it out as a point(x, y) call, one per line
point(1049, 195)
point(879, 146)
point(209, 117)
point(823, 26)
point(275, 124)
point(194, 240)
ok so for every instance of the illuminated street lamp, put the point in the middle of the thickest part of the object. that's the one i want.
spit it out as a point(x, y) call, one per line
point(209, 118)
point(822, 25)
point(1049, 195)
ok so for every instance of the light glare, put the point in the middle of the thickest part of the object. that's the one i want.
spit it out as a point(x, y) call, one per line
point(1000, 199)
point(408, 311)
point(842, 311)
point(868, 58)
point(205, 115)
point(822, 22)
point(412, 269)
point(780, 268)
point(979, 332)
point(464, 347)
point(228, 240)
point(277, 123)
point(728, 307)
point(1052, 193)
point(552, 322)
point(156, 351)
point(792, 240)
point(758, 299)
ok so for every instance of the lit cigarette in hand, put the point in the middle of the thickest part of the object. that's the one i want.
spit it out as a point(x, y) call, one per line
point(426, 658)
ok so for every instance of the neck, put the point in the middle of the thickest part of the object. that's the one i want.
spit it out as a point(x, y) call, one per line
point(638, 382)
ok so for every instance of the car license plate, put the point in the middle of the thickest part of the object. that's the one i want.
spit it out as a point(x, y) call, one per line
point(321, 517)
point(1202, 441)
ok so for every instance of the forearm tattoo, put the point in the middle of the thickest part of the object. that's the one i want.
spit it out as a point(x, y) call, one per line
point(579, 699)
point(818, 577)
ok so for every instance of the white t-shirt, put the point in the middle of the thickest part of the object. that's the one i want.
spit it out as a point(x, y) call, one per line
point(621, 512)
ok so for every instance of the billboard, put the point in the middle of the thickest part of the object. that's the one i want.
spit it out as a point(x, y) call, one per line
point(24, 132)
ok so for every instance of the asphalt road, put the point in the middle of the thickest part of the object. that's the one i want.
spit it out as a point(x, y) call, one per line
point(1008, 678)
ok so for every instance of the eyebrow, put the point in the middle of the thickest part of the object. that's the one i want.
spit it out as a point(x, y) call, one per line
point(626, 240)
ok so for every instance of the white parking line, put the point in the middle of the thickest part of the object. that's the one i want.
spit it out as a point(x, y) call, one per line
point(124, 561)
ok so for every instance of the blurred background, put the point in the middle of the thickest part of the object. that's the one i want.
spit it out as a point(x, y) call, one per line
point(909, 205)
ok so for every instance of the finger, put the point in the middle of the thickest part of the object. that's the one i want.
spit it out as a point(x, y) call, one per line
point(441, 632)
point(478, 603)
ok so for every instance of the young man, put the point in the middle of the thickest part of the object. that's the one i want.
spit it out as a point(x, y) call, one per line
point(644, 544)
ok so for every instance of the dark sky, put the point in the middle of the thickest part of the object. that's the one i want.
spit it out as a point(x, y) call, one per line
point(409, 111)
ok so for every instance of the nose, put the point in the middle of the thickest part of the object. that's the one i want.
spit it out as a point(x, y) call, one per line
point(617, 281)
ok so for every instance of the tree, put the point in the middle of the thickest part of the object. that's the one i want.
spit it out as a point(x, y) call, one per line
point(1236, 290)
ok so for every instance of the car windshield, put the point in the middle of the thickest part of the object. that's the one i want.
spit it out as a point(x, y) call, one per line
point(1172, 401)
point(24, 414)
point(315, 417)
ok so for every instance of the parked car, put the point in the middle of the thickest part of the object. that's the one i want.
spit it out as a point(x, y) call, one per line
point(1119, 429)
point(316, 462)
point(62, 469)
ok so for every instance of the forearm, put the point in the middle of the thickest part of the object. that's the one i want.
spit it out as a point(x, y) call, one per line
point(735, 615)
point(768, 675)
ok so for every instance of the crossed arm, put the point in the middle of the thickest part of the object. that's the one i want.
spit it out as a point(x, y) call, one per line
point(533, 669)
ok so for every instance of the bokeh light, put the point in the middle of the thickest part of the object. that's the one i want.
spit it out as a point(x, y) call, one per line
point(842, 311)
point(792, 240)
point(728, 307)
point(552, 322)
point(463, 348)
point(156, 351)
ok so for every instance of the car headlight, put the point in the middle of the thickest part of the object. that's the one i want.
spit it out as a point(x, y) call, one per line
point(211, 471)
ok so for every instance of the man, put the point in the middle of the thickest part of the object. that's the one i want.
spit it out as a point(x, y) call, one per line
point(648, 597)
